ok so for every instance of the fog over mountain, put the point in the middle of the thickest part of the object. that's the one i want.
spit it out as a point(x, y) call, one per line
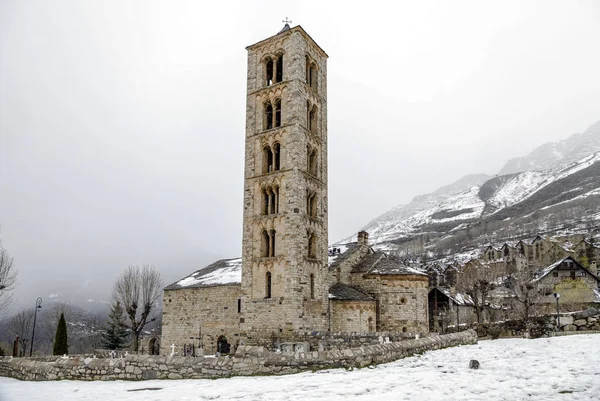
point(553, 154)
point(122, 123)
point(556, 190)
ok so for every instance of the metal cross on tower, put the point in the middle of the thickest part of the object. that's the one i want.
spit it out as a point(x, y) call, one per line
point(286, 21)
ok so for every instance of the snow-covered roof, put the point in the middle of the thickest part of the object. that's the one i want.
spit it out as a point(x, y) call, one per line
point(545, 271)
point(457, 298)
point(393, 265)
point(222, 272)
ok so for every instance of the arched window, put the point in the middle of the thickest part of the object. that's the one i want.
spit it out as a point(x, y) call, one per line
point(311, 204)
point(269, 72)
point(266, 201)
point(279, 74)
point(312, 286)
point(312, 162)
point(312, 244)
point(268, 285)
point(312, 118)
point(277, 113)
point(268, 118)
point(272, 248)
point(267, 160)
point(308, 108)
point(270, 200)
point(266, 244)
point(276, 157)
point(312, 75)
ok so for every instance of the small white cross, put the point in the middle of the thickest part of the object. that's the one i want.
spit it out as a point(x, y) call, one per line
point(172, 349)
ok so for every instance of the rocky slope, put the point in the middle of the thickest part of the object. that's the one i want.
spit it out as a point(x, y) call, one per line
point(553, 154)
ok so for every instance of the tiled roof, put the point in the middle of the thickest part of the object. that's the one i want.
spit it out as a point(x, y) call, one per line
point(345, 292)
point(394, 265)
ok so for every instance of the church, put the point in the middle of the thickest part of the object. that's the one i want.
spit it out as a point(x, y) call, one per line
point(288, 282)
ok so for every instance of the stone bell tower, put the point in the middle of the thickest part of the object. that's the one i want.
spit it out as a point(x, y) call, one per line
point(284, 250)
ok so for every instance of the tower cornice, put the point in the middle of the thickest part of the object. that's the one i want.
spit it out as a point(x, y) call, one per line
point(289, 32)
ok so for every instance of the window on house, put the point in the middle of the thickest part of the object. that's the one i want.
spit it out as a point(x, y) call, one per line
point(269, 72)
point(312, 286)
point(279, 76)
point(268, 285)
point(554, 274)
point(239, 305)
point(268, 119)
point(308, 122)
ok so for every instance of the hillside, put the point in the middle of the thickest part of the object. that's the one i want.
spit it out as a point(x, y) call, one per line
point(562, 199)
point(553, 154)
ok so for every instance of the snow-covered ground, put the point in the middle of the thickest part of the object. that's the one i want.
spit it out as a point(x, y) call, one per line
point(562, 368)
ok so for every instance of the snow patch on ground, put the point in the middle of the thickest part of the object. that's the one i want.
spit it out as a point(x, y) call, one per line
point(547, 369)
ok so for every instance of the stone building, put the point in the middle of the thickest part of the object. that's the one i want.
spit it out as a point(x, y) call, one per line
point(577, 286)
point(285, 284)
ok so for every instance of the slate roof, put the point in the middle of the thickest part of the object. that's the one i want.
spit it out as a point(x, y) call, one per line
point(547, 270)
point(345, 292)
point(222, 272)
point(389, 265)
point(457, 298)
point(347, 251)
point(367, 262)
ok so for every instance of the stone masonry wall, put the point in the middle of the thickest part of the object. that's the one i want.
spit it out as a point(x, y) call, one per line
point(199, 316)
point(353, 316)
point(247, 361)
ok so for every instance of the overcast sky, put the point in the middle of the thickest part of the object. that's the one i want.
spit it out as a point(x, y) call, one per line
point(122, 122)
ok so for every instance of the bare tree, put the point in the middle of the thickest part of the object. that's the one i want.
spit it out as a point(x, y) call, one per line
point(8, 279)
point(21, 325)
point(525, 292)
point(138, 289)
point(477, 280)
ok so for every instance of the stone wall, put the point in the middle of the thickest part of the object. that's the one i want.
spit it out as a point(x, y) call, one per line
point(353, 316)
point(402, 299)
point(199, 316)
point(247, 361)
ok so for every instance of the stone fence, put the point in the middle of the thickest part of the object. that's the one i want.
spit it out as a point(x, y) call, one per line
point(330, 341)
point(247, 361)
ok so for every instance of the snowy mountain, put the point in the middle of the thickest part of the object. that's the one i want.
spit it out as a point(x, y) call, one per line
point(553, 154)
point(508, 201)
point(556, 187)
point(398, 214)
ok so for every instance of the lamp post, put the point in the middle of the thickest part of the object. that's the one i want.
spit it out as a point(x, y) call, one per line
point(38, 305)
point(557, 296)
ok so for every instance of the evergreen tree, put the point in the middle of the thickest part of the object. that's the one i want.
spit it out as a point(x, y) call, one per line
point(60, 346)
point(116, 333)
